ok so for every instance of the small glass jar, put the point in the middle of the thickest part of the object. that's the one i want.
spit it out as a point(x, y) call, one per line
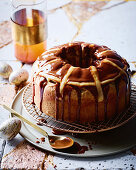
point(29, 29)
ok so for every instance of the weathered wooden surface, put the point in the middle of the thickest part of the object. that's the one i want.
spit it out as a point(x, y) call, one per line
point(111, 23)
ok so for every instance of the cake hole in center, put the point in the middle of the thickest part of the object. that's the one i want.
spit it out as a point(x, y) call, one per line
point(76, 58)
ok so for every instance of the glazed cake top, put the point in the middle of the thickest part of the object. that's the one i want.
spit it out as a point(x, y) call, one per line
point(80, 64)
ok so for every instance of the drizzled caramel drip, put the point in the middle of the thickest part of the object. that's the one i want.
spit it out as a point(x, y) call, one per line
point(94, 91)
point(62, 106)
point(127, 81)
point(57, 101)
point(105, 93)
point(78, 91)
point(33, 86)
point(43, 83)
point(117, 91)
point(100, 67)
point(69, 103)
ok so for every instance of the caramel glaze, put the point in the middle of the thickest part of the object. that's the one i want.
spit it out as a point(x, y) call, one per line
point(105, 92)
point(62, 104)
point(69, 103)
point(57, 100)
point(42, 120)
point(58, 132)
point(33, 85)
point(117, 91)
point(82, 55)
point(81, 74)
point(42, 139)
point(43, 83)
point(75, 149)
point(79, 102)
point(66, 142)
point(93, 90)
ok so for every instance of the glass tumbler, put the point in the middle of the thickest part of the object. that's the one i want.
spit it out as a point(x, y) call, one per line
point(29, 29)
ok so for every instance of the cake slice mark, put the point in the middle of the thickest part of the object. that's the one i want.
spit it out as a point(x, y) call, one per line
point(97, 82)
point(65, 78)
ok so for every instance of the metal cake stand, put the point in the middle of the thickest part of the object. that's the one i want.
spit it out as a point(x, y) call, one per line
point(99, 126)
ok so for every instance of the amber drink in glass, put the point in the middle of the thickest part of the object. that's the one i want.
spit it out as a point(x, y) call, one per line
point(29, 29)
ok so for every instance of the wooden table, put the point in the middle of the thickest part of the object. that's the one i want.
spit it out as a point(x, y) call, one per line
point(111, 23)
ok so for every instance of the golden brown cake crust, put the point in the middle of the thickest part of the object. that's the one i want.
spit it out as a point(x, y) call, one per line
point(80, 82)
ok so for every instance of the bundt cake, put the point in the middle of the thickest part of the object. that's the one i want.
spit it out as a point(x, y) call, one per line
point(81, 82)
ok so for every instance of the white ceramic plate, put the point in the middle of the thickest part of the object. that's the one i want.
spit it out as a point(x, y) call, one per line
point(103, 144)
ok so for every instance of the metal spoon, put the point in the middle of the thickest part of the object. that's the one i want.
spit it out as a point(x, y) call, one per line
point(56, 142)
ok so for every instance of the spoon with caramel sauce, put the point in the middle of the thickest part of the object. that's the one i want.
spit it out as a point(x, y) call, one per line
point(56, 142)
point(60, 142)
